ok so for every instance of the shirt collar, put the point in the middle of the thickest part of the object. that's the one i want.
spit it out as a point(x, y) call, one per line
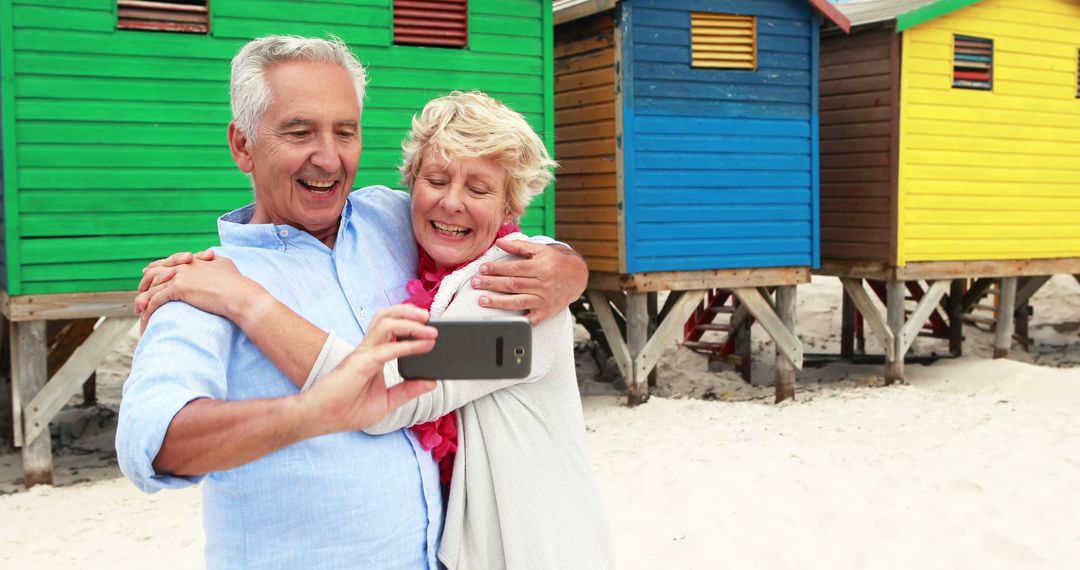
point(235, 229)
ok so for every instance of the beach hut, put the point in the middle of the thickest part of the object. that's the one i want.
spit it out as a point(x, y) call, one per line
point(686, 132)
point(950, 149)
point(113, 114)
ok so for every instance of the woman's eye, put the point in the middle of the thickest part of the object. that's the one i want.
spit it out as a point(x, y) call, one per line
point(480, 190)
point(436, 182)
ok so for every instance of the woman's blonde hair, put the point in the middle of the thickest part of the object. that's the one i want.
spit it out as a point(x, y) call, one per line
point(474, 125)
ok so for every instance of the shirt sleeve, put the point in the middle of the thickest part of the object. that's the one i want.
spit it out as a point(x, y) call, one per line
point(182, 356)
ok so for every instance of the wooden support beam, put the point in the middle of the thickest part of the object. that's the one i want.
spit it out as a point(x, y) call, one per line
point(7, 388)
point(618, 300)
point(1004, 331)
point(927, 305)
point(637, 334)
point(785, 368)
point(976, 292)
point(28, 354)
point(763, 312)
point(611, 331)
point(894, 309)
point(847, 326)
point(69, 379)
point(672, 298)
point(668, 330)
point(955, 312)
point(871, 315)
point(744, 348)
point(1026, 287)
point(68, 305)
point(651, 302)
point(694, 280)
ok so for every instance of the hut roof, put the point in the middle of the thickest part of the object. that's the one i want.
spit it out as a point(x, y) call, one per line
point(569, 10)
point(906, 13)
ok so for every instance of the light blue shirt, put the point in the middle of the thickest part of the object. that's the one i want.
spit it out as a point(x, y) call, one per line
point(347, 500)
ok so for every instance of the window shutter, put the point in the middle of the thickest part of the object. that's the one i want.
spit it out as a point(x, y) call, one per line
point(723, 41)
point(188, 16)
point(442, 23)
point(973, 62)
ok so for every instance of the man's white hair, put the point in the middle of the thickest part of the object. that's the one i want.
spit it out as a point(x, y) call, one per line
point(249, 93)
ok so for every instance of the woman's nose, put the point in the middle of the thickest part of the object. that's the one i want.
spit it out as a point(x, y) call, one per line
point(452, 200)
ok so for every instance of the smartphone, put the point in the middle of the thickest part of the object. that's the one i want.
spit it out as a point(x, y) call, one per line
point(474, 349)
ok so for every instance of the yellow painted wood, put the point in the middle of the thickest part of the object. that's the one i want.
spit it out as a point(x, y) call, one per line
point(723, 41)
point(991, 174)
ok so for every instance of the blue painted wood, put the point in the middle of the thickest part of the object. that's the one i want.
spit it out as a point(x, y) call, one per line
point(697, 144)
point(722, 196)
point(723, 171)
point(656, 124)
point(717, 230)
point(815, 133)
point(734, 261)
point(718, 178)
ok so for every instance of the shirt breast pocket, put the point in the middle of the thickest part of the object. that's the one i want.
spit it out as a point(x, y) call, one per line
point(397, 294)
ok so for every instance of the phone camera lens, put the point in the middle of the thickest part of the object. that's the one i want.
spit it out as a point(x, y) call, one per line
point(519, 351)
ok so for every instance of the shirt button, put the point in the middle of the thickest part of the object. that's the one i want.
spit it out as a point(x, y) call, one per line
point(284, 233)
point(363, 312)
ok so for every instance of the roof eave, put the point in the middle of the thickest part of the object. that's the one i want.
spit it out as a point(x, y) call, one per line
point(929, 12)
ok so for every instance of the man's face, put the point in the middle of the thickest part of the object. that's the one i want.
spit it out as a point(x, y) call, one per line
point(305, 157)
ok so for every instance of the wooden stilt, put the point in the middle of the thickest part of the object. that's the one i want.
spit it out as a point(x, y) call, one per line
point(637, 334)
point(785, 368)
point(654, 312)
point(847, 326)
point(956, 317)
point(7, 403)
point(1004, 329)
point(28, 353)
point(744, 348)
point(894, 308)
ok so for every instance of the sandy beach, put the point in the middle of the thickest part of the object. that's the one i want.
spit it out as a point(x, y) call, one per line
point(973, 463)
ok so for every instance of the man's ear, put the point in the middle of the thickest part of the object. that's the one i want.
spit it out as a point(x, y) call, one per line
point(240, 147)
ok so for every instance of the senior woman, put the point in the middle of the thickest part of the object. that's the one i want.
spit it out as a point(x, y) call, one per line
point(521, 492)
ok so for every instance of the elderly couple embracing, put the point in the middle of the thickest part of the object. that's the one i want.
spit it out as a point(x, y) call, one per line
point(270, 379)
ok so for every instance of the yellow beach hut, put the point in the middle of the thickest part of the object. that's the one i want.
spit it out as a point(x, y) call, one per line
point(950, 149)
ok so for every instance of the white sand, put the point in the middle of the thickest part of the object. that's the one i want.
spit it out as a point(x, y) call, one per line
point(975, 463)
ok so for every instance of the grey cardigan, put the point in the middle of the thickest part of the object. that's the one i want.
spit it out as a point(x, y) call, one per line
point(523, 494)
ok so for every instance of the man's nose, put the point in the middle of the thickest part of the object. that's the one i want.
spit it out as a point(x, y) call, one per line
point(325, 156)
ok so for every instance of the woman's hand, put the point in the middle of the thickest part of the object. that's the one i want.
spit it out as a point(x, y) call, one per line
point(355, 396)
point(543, 284)
point(215, 286)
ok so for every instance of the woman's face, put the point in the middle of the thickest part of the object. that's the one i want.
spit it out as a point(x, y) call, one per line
point(457, 207)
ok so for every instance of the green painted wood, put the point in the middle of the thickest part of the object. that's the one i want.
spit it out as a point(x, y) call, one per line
point(548, 28)
point(121, 134)
point(8, 164)
point(930, 12)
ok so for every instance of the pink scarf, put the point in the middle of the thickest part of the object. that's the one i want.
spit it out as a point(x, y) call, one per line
point(439, 436)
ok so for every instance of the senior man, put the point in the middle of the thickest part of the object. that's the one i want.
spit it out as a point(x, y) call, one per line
point(288, 482)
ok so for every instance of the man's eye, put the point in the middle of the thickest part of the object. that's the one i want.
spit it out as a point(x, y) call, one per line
point(298, 134)
point(346, 134)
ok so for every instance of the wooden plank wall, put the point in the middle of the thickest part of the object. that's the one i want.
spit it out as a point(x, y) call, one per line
point(722, 160)
point(121, 134)
point(585, 193)
point(992, 174)
point(857, 123)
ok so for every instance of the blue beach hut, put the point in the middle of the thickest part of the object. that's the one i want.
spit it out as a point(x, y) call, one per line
point(686, 131)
